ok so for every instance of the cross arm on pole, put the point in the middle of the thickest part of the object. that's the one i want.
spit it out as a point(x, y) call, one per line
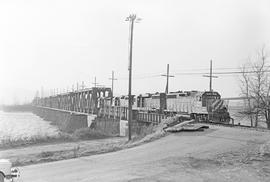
point(168, 75)
point(210, 76)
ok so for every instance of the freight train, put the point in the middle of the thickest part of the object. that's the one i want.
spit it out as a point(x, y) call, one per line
point(199, 105)
point(206, 105)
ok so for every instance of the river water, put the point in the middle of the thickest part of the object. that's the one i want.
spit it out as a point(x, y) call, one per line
point(17, 126)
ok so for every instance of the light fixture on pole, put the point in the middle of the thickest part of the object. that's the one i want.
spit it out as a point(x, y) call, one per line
point(131, 18)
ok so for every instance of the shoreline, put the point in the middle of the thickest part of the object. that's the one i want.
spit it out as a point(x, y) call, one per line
point(42, 142)
point(82, 134)
point(47, 152)
point(24, 155)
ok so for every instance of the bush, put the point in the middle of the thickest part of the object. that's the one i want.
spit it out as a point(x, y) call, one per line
point(46, 154)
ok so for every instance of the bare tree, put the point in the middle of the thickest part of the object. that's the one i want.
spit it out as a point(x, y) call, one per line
point(245, 89)
point(255, 86)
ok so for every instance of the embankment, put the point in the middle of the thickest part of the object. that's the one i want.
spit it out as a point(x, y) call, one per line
point(66, 121)
point(112, 126)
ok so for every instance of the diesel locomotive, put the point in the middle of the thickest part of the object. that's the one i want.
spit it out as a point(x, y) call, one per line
point(199, 105)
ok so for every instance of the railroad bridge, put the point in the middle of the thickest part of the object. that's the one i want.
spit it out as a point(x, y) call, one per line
point(77, 109)
point(85, 101)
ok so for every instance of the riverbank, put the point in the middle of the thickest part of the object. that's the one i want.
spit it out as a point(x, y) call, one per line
point(84, 142)
point(61, 137)
point(46, 152)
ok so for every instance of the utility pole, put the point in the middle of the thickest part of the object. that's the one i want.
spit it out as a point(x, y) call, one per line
point(95, 82)
point(82, 85)
point(37, 94)
point(210, 109)
point(131, 18)
point(112, 78)
point(210, 77)
point(41, 92)
point(77, 86)
point(168, 76)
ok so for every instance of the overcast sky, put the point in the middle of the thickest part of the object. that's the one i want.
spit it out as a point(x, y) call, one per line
point(56, 43)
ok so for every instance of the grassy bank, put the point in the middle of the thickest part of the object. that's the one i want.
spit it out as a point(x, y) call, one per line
point(83, 142)
point(80, 134)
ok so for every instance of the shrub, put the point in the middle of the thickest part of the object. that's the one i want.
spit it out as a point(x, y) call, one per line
point(46, 154)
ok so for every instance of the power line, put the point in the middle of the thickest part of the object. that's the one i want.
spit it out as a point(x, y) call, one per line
point(222, 73)
point(182, 71)
point(219, 68)
point(140, 77)
point(204, 69)
point(228, 73)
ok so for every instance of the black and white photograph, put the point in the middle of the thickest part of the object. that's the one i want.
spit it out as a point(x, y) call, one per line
point(134, 91)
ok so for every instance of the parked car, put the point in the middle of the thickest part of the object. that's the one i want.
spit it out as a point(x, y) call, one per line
point(7, 173)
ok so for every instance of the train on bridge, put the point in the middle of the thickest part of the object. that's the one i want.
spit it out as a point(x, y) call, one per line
point(199, 105)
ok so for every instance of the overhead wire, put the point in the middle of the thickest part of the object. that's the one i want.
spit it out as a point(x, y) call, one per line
point(223, 73)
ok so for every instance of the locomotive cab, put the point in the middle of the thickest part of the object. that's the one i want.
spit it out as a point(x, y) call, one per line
point(215, 107)
point(208, 98)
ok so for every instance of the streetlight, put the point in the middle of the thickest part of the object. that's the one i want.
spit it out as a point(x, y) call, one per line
point(131, 18)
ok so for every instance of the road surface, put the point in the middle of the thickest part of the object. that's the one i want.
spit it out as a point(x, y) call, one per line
point(177, 157)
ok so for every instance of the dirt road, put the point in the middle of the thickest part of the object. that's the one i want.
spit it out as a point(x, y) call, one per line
point(218, 154)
